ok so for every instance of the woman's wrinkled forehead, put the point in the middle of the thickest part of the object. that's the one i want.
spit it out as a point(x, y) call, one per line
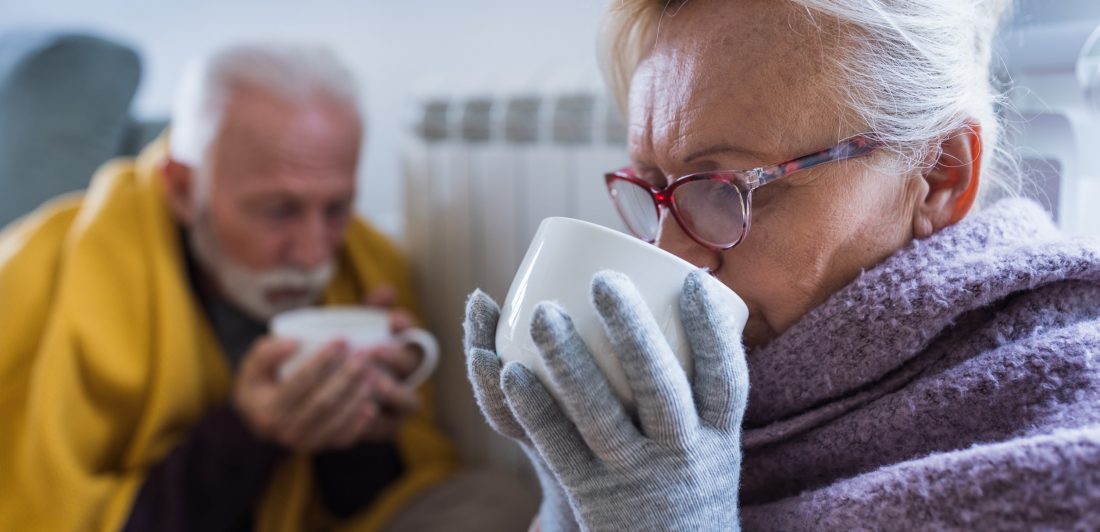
point(752, 74)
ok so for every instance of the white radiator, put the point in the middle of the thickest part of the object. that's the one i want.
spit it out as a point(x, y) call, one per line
point(481, 173)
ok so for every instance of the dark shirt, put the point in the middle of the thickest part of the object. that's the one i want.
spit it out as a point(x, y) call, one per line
point(214, 479)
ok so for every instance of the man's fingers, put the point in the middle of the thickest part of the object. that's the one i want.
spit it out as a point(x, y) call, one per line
point(307, 377)
point(393, 396)
point(381, 426)
point(325, 400)
point(401, 320)
point(399, 360)
point(267, 355)
point(363, 424)
point(341, 428)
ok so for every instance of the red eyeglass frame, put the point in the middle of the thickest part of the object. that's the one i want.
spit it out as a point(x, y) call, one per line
point(745, 181)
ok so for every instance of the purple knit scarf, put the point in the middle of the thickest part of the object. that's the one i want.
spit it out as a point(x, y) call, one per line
point(955, 385)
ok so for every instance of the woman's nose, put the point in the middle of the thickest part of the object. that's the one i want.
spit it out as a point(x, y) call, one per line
point(673, 239)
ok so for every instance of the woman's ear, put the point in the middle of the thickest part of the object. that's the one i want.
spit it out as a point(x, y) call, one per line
point(179, 181)
point(952, 179)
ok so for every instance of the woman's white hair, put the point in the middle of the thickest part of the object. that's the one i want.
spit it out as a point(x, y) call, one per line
point(292, 71)
point(913, 71)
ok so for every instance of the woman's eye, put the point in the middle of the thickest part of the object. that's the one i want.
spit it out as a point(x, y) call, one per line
point(654, 178)
point(763, 195)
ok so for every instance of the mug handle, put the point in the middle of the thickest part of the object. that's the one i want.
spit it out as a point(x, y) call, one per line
point(429, 346)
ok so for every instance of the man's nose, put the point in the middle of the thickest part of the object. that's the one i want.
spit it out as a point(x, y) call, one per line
point(310, 247)
point(673, 239)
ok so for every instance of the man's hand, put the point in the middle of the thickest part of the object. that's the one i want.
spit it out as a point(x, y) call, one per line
point(395, 403)
point(400, 361)
point(326, 404)
point(397, 362)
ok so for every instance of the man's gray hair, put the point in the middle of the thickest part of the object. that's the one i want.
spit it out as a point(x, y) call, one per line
point(292, 71)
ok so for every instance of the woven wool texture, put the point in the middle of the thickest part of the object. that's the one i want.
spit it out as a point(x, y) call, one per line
point(955, 385)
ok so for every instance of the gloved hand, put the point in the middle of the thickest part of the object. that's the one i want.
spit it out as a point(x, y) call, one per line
point(483, 368)
point(679, 469)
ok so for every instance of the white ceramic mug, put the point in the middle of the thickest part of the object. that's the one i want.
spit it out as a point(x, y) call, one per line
point(560, 263)
point(360, 327)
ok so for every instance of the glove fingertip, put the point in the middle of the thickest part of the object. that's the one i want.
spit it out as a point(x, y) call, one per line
point(530, 402)
point(478, 298)
point(704, 295)
point(693, 294)
point(483, 370)
point(610, 277)
point(548, 322)
point(694, 281)
point(612, 290)
point(479, 327)
point(608, 282)
point(515, 377)
point(482, 361)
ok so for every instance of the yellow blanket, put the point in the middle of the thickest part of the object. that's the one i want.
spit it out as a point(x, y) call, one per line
point(106, 361)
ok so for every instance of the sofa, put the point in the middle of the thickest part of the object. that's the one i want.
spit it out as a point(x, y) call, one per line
point(64, 110)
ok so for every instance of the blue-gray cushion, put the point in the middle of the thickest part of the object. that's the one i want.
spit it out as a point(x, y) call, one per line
point(64, 110)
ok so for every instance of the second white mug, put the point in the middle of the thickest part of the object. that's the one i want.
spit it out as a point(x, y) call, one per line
point(361, 327)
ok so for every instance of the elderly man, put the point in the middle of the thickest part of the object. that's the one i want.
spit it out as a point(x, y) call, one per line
point(140, 387)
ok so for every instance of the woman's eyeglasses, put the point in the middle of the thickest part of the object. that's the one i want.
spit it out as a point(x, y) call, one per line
point(713, 208)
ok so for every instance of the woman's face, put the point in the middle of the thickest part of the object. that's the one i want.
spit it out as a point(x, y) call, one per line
point(736, 85)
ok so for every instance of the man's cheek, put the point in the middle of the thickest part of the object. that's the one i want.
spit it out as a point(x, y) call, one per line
point(262, 248)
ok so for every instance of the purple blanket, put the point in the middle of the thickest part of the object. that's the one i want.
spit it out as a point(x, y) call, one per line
point(954, 386)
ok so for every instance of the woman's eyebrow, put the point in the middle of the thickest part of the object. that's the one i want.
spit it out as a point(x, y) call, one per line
point(723, 149)
point(641, 164)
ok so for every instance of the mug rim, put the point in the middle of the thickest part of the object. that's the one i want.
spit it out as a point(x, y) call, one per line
point(310, 321)
point(618, 235)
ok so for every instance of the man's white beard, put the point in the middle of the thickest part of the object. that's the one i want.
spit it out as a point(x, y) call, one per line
point(251, 290)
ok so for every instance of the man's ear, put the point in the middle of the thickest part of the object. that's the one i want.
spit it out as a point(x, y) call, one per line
point(952, 179)
point(179, 183)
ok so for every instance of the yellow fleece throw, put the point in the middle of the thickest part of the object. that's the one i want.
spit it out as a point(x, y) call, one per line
point(106, 361)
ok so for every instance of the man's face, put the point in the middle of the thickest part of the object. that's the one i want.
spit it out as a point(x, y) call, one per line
point(280, 181)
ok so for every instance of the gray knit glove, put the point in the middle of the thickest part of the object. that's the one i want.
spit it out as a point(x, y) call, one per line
point(679, 467)
point(483, 369)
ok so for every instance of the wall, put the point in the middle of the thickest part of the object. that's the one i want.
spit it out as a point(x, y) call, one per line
point(398, 49)
point(1028, 12)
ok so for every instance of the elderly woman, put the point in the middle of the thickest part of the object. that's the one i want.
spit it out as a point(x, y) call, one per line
point(915, 362)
